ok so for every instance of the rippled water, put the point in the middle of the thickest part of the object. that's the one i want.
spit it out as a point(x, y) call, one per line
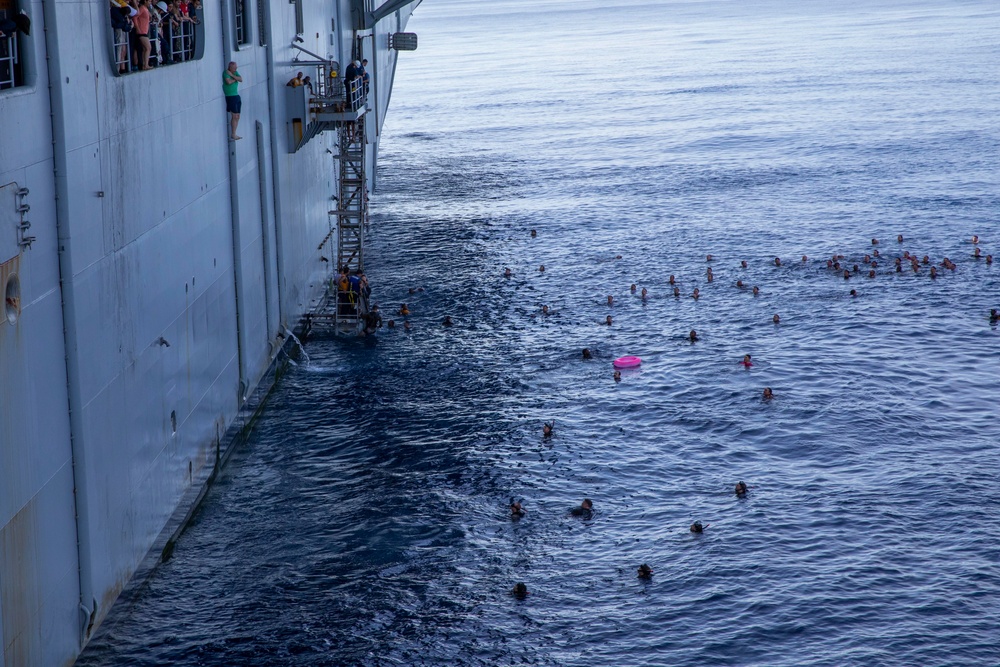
point(366, 522)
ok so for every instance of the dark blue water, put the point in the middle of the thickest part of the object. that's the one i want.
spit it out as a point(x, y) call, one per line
point(366, 523)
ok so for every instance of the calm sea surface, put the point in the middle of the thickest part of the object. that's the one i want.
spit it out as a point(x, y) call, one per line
point(366, 523)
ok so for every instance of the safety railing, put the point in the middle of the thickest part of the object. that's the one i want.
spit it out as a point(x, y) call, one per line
point(170, 42)
point(9, 62)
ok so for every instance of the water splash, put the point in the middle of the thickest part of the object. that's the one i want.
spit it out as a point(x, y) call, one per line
point(302, 348)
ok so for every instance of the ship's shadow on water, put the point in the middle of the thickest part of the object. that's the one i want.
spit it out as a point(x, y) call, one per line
point(366, 522)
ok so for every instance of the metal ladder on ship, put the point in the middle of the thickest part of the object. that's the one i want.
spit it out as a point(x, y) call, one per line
point(352, 216)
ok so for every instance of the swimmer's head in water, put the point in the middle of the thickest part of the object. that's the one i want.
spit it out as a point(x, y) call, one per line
point(708, 258)
point(854, 292)
point(406, 325)
point(989, 259)
point(644, 293)
point(874, 241)
point(587, 504)
point(519, 590)
point(847, 274)
point(608, 320)
point(978, 253)
point(777, 261)
point(829, 263)
point(617, 376)
point(507, 273)
point(392, 324)
point(899, 239)
point(534, 233)
point(805, 259)
point(926, 259)
point(933, 272)
point(693, 336)
point(645, 571)
point(743, 263)
point(696, 527)
point(739, 283)
point(548, 428)
point(671, 280)
point(741, 488)
point(975, 238)
point(746, 360)
point(545, 310)
point(632, 288)
point(768, 394)
point(677, 291)
point(871, 274)
point(541, 269)
point(586, 353)
point(413, 290)
point(515, 508)
point(776, 319)
point(756, 290)
point(696, 293)
point(611, 300)
point(876, 254)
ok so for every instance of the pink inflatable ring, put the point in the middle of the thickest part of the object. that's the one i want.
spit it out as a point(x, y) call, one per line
point(627, 362)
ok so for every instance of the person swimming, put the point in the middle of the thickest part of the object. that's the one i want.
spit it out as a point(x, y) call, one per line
point(756, 290)
point(975, 238)
point(617, 376)
point(874, 241)
point(534, 233)
point(632, 288)
point(611, 300)
point(768, 394)
point(541, 269)
point(871, 274)
point(406, 325)
point(447, 321)
point(741, 489)
point(746, 361)
point(677, 291)
point(933, 272)
point(404, 310)
point(777, 261)
point(608, 320)
point(708, 258)
point(743, 263)
point(645, 572)
point(644, 294)
point(875, 254)
point(989, 259)
point(739, 284)
point(776, 319)
point(709, 274)
point(994, 316)
point(926, 259)
point(520, 591)
point(587, 354)
point(847, 274)
point(671, 279)
point(392, 324)
point(696, 527)
point(545, 310)
point(507, 273)
point(586, 509)
point(805, 258)
point(978, 253)
point(696, 294)
point(854, 292)
point(693, 336)
point(899, 239)
point(547, 429)
point(516, 511)
point(412, 290)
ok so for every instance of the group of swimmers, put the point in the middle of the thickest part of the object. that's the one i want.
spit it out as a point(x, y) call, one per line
point(586, 508)
point(586, 511)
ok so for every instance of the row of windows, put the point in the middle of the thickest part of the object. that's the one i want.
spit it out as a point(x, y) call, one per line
point(144, 34)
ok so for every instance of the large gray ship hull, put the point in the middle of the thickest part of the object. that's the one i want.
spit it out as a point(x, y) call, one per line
point(151, 269)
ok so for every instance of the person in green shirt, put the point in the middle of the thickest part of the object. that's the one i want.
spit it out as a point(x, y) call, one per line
point(231, 80)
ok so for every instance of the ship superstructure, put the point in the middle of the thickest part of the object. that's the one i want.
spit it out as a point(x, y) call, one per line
point(152, 268)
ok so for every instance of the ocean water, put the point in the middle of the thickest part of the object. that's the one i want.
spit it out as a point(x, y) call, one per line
point(366, 522)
